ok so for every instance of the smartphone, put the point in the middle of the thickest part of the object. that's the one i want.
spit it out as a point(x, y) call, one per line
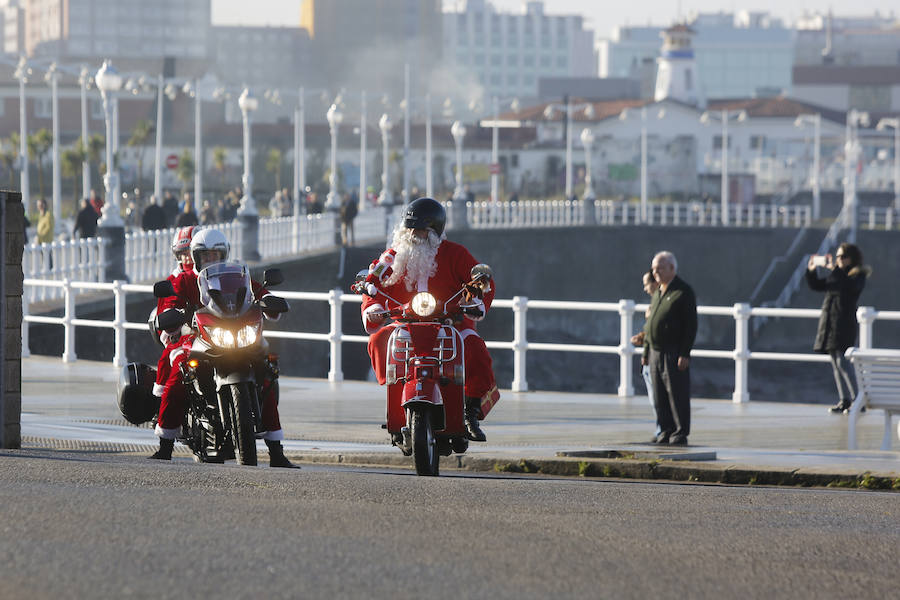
point(819, 261)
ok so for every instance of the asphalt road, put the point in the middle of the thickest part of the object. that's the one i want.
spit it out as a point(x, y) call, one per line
point(91, 525)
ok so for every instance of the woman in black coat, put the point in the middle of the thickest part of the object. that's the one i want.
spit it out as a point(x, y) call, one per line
point(837, 324)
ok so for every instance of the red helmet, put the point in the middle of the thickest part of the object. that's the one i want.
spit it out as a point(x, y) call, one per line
point(181, 245)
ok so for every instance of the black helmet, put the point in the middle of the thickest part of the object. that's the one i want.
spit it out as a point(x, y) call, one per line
point(425, 213)
point(136, 400)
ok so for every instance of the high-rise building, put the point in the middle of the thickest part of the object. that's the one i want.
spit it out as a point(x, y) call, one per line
point(135, 33)
point(505, 54)
point(364, 44)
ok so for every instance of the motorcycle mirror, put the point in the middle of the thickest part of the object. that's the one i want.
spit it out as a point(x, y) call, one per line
point(272, 277)
point(482, 271)
point(274, 304)
point(361, 276)
point(163, 289)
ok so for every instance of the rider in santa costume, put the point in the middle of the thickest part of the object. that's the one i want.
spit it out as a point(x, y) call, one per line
point(207, 247)
point(420, 259)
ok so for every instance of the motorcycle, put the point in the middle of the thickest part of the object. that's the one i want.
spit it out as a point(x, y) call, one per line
point(228, 368)
point(426, 369)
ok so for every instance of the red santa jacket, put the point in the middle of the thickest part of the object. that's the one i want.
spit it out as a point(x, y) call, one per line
point(454, 268)
point(187, 292)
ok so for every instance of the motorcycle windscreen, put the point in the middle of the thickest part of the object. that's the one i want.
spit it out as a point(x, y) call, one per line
point(225, 289)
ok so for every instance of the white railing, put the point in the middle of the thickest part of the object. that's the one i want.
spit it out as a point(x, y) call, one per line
point(878, 217)
point(741, 354)
point(561, 213)
point(81, 259)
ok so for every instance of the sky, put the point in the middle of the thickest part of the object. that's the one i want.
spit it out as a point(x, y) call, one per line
point(601, 15)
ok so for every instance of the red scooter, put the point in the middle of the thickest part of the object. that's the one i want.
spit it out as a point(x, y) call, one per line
point(426, 370)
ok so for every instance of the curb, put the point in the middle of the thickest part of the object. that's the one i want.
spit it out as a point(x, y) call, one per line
point(666, 470)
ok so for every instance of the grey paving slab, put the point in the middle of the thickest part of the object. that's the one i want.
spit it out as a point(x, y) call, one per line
point(76, 401)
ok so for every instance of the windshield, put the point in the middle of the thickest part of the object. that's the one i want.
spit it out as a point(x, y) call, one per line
point(225, 289)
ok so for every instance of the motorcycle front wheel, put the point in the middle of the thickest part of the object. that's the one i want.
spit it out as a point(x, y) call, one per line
point(241, 423)
point(424, 447)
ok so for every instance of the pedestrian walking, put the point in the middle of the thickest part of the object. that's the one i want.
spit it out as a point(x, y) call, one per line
point(154, 217)
point(349, 210)
point(668, 338)
point(844, 282)
point(86, 221)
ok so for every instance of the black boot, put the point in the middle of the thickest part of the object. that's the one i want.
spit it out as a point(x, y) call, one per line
point(277, 457)
point(840, 407)
point(165, 449)
point(473, 431)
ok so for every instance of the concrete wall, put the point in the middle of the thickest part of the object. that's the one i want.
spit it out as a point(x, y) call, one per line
point(13, 230)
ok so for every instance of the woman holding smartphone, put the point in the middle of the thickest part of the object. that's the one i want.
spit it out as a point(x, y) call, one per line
point(844, 282)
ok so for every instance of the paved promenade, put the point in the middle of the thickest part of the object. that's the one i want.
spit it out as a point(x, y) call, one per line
point(74, 406)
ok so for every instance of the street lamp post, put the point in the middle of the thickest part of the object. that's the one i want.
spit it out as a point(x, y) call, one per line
point(587, 140)
point(247, 214)
point(406, 119)
point(22, 73)
point(458, 131)
point(84, 81)
point(385, 124)
point(724, 116)
point(429, 180)
point(852, 151)
point(334, 117)
point(645, 207)
point(109, 82)
point(192, 88)
point(816, 121)
point(52, 77)
point(569, 109)
point(894, 123)
point(362, 152)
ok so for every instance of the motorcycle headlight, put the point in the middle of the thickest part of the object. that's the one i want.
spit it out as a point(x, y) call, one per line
point(221, 337)
point(423, 304)
point(247, 336)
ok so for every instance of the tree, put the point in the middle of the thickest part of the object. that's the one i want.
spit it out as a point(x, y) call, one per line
point(71, 159)
point(274, 162)
point(139, 137)
point(39, 145)
point(218, 158)
point(185, 171)
point(9, 154)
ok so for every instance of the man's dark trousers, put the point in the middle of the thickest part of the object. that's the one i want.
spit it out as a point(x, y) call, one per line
point(671, 393)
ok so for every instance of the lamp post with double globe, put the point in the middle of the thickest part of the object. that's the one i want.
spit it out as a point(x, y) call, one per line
point(458, 131)
point(247, 214)
point(335, 117)
point(109, 82)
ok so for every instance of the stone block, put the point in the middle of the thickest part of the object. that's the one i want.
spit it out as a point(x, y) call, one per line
point(12, 377)
point(12, 435)
point(15, 246)
point(12, 315)
point(15, 215)
point(13, 281)
point(12, 342)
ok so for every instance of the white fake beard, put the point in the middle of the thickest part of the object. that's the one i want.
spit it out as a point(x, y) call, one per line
point(415, 257)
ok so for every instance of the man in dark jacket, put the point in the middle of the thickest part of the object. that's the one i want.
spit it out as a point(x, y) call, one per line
point(86, 221)
point(154, 217)
point(668, 338)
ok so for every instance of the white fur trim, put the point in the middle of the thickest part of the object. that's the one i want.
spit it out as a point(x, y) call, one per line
point(467, 332)
point(369, 326)
point(175, 354)
point(275, 436)
point(158, 389)
point(169, 434)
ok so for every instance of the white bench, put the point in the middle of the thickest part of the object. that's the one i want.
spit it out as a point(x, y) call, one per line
point(878, 379)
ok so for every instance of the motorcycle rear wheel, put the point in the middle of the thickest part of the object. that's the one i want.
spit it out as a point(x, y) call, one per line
point(242, 428)
point(424, 446)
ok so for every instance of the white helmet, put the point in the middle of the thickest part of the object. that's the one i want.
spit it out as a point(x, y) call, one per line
point(208, 240)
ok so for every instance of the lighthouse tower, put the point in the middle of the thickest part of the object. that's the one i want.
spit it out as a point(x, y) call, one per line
point(676, 72)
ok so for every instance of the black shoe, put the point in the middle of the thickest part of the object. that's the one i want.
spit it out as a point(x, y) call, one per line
point(840, 408)
point(660, 438)
point(165, 450)
point(473, 431)
point(678, 440)
point(277, 457)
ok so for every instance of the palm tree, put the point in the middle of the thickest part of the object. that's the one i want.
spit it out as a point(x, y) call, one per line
point(139, 137)
point(218, 157)
point(185, 171)
point(39, 145)
point(9, 154)
point(96, 145)
point(71, 159)
point(273, 165)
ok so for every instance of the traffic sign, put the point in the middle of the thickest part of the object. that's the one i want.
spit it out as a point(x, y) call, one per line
point(172, 161)
point(495, 168)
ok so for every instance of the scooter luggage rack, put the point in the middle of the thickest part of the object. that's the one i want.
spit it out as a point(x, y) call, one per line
point(445, 351)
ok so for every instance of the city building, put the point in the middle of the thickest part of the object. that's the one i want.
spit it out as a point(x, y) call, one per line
point(864, 41)
point(506, 54)
point(12, 26)
point(260, 56)
point(364, 44)
point(738, 55)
